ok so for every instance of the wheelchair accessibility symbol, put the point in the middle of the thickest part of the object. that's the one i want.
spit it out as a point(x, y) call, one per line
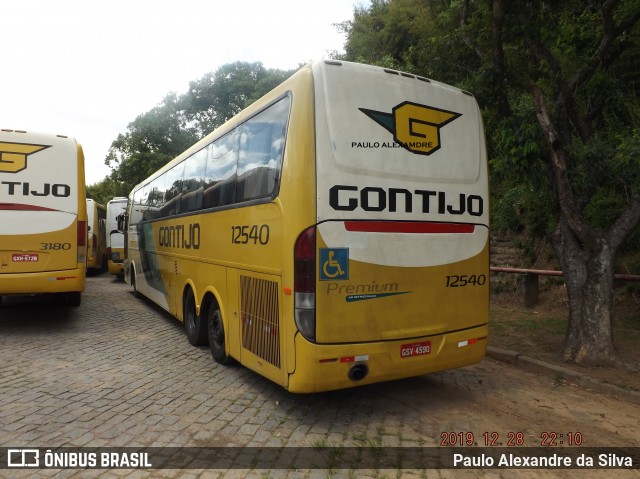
point(334, 264)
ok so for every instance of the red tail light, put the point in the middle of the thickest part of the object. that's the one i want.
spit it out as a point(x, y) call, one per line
point(305, 283)
point(82, 233)
point(305, 261)
point(82, 242)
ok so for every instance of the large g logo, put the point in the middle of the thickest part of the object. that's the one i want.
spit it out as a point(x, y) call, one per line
point(13, 156)
point(417, 127)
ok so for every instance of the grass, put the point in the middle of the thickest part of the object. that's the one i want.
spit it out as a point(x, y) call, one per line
point(540, 332)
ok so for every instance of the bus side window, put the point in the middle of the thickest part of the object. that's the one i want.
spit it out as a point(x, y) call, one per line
point(261, 148)
point(193, 181)
point(173, 192)
point(220, 173)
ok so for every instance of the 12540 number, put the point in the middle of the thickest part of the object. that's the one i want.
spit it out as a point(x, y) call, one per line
point(459, 281)
point(255, 234)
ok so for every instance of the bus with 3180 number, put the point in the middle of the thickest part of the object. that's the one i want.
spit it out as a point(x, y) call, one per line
point(43, 215)
point(332, 234)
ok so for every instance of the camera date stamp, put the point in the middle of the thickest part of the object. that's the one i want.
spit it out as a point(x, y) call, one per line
point(510, 439)
point(546, 449)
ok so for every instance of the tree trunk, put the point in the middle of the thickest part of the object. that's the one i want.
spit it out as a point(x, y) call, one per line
point(588, 274)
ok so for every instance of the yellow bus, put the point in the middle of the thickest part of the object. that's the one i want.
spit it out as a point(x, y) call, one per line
point(43, 215)
point(115, 237)
point(332, 234)
point(97, 237)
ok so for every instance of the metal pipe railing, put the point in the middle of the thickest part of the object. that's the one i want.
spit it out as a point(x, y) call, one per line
point(545, 272)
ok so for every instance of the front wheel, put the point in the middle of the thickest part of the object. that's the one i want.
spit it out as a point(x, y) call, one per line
point(136, 293)
point(215, 329)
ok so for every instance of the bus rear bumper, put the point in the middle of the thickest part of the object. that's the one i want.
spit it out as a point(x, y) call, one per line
point(329, 367)
point(116, 268)
point(66, 281)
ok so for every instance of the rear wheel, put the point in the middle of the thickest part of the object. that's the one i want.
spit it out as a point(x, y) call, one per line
point(215, 328)
point(74, 299)
point(194, 326)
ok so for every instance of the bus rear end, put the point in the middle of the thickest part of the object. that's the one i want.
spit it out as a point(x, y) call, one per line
point(393, 280)
point(43, 228)
point(115, 238)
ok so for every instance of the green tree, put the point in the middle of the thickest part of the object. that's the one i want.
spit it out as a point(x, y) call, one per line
point(219, 95)
point(558, 84)
point(159, 135)
point(154, 138)
point(106, 190)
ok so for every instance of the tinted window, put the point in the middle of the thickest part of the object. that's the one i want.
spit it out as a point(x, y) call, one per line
point(245, 164)
point(261, 145)
point(220, 172)
point(174, 186)
point(156, 197)
point(193, 178)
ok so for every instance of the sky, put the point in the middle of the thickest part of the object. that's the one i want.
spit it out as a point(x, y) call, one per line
point(87, 68)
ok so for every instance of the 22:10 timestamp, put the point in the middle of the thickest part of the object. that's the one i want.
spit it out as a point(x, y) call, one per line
point(515, 439)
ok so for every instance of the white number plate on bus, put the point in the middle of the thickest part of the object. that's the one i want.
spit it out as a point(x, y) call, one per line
point(24, 258)
point(415, 349)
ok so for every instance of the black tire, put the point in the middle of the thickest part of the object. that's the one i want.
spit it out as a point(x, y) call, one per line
point(215, 331)
point(194, 326)
point(74, 299)
point(136, 293)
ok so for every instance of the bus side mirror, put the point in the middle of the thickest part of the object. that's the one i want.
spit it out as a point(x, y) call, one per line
point(122, 220)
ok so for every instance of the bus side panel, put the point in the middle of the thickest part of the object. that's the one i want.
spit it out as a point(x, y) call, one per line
point(145, 264)
point(240, 259)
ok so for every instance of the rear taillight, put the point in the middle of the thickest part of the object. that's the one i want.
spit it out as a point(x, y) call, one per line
point(82, 242)
point(305, 283)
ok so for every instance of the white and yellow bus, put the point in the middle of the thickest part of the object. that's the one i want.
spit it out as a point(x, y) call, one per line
point(43, 215)
point(115, 237)
point(96, 237)
point(333, 234)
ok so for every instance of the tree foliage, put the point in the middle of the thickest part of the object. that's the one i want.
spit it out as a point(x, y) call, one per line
point(159, 135)
point(220, 95)
point(558, 86)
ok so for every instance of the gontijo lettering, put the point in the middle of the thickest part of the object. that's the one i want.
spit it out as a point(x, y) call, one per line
point(375, 198)
point(17, 188)
point(180, 236)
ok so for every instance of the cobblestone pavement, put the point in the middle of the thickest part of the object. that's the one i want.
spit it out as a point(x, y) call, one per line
point(118, 371)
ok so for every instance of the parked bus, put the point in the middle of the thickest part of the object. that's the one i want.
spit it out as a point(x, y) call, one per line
point(97, 237)
point(115, 237)
point(43, 215)
point(332, 234)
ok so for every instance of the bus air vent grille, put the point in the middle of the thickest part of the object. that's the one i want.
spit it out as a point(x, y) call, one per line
point(260, 318)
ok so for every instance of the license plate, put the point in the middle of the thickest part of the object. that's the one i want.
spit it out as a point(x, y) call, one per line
point(415, 349)
point(24, 258)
